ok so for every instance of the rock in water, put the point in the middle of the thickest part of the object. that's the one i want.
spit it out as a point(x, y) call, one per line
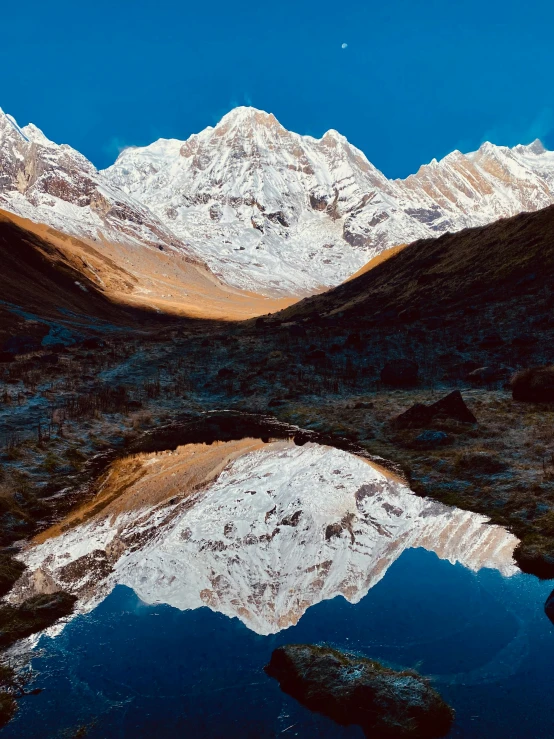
point(549, 606)
point(356, 690)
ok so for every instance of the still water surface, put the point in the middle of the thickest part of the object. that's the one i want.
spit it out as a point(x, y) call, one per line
point(130, 670)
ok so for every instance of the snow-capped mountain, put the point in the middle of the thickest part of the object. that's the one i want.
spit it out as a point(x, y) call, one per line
point(272, 210)
point(269, 210)
point(280, 529)
point(54, 184)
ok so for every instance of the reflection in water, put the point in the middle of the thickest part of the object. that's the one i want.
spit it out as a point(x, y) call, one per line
point(282, 528)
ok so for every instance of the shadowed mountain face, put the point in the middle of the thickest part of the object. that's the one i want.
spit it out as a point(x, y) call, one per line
point(43, 290)
point(281, 528)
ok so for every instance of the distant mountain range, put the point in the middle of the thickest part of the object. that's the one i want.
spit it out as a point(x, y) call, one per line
point(267, 210)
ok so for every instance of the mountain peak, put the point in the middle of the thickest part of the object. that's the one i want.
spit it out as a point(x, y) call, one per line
point(247, 114)
point(8, 122)
point(333, 135)
point(535, 147)
point(35, 135)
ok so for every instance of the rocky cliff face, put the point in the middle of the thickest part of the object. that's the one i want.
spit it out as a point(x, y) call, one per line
point(267, 209)
point(56, 185)
point(281, 529)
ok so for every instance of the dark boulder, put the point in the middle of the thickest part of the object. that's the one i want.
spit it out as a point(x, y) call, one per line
point(549, 606)
point(536, 557)
point(400, 373)
point(488, 375)
point(6, 357)
point(418, 416)
point(451, 406)
point(534, 385)
point(355, 690)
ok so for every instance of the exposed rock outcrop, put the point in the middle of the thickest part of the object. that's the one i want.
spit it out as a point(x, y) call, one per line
point(534, 385)
point(452, 406)
point(356, 690)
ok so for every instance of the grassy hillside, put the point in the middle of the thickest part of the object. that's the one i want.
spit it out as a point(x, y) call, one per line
point(507, 261)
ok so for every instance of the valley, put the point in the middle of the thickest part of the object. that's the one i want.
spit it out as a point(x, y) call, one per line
point(180, 434)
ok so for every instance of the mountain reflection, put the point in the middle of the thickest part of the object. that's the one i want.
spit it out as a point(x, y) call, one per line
point(279, 529)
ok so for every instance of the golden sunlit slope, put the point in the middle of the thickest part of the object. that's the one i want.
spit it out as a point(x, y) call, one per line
point(382, 257)
point(142, 481)
point(43, 269)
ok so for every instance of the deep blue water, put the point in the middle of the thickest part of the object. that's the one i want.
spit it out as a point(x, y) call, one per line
point(134, 671)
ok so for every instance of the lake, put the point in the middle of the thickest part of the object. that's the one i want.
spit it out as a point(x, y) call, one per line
point(405, 581)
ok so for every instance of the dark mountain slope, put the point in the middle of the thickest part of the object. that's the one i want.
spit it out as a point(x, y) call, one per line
point(505, 263)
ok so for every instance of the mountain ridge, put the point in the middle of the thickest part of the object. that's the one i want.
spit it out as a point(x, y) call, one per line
point(268, 210)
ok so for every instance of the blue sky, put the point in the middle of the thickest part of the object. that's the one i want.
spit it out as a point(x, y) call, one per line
point(416, 80)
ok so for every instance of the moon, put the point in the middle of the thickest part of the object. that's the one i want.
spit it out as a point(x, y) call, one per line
point(344, 46)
